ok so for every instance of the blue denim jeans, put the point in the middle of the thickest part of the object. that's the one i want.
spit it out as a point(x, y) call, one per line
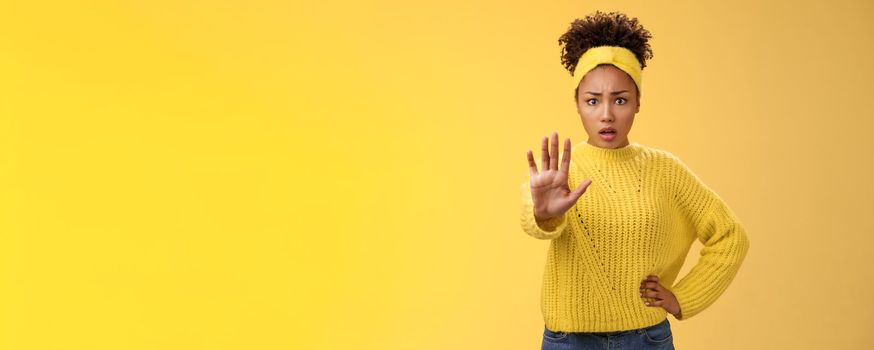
point(657, 336)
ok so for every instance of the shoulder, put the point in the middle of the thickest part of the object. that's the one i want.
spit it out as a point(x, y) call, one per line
point(671, 167)
point(660, 156)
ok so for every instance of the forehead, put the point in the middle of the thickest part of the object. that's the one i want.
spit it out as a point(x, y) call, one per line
point(606, 76)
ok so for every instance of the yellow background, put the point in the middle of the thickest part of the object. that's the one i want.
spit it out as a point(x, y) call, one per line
point(327, 175)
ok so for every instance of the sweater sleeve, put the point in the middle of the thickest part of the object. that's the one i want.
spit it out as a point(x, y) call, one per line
point(718, 229)
point(548, 229)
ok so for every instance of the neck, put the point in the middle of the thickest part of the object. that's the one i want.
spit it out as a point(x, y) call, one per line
point(627, 151)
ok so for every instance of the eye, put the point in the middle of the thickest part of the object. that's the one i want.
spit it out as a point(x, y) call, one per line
point(623, 100)
point(590, 100)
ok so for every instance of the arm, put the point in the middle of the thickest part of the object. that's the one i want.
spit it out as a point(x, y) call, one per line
point(718, 229)
point(547, 229)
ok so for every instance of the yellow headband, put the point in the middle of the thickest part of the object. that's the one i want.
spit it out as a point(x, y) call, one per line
point(618, 56)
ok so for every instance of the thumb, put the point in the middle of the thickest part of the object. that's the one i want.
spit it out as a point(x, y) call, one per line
point(581, 188)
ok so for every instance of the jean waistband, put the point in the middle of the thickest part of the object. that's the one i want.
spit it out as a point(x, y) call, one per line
point(637, 330)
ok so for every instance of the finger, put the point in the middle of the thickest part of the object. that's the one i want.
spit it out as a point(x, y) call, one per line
point(650, 285)
point(544, 154)
point(553, 155)
point(581, 188)
point(566, 156)
point(651, 294)
point(654, 303)
point(651, 278)
point(532, 167)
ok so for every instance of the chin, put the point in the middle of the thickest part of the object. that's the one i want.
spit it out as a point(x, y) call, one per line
point(608, 144)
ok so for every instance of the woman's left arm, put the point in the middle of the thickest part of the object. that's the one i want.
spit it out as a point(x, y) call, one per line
point(725, 242)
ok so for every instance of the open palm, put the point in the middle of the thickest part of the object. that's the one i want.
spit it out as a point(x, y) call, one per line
point(549, 188)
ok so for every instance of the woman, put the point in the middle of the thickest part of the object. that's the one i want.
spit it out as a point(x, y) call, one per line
point(615, 253)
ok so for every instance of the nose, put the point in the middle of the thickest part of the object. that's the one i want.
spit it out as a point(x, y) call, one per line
point(607, 115)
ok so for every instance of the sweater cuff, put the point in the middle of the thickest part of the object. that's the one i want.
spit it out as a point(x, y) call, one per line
point(687, 309)
point(547, 229)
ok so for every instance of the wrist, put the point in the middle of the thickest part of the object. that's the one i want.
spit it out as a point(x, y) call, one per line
point(542, 218)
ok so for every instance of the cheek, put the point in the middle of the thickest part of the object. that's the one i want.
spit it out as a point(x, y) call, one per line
point(628, 124)
point(589, 121)
point(588, 125)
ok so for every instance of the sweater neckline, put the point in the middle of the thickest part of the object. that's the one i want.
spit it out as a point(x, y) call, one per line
point(591, 151)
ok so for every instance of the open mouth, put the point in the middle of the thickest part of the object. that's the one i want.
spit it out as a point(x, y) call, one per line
point(607, 134)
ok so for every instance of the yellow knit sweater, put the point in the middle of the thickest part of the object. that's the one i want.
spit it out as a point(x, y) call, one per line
point(639, 216)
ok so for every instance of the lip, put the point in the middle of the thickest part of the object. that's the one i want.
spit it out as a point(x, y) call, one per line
point(607, 137)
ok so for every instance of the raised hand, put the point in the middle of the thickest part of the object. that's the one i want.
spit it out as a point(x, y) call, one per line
point(549, 189)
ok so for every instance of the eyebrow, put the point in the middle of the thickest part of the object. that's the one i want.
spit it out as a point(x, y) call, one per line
point(599, 94)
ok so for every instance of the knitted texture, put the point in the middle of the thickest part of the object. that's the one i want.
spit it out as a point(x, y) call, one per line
point(639, 216)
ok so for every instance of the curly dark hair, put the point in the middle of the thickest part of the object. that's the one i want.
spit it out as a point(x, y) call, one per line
point(599, 28)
